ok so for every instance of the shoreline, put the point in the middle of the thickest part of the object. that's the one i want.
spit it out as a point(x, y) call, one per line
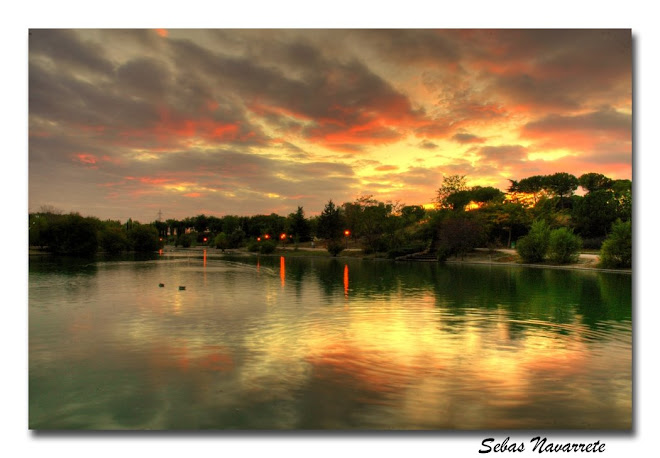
point(481, 256)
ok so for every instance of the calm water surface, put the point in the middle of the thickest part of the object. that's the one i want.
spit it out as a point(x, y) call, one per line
point(269, 343)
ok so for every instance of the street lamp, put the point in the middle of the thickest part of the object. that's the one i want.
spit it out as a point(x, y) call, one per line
point(347, 233)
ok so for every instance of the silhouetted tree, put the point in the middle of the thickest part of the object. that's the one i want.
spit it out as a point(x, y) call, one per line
point(330, 222)
point(298, 225)
point(561, 184)
point(591, 182)
point(450, 184)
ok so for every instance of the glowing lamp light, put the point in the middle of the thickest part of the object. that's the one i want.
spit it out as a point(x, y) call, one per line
point(258, 239)
point(266, 236)
point(282, 236)
point(347, 232)
point(205, 239)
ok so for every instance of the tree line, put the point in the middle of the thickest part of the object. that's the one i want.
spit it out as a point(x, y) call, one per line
point(541, 215)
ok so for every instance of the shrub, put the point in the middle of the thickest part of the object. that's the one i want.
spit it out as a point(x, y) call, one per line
point(221, 241)
point(592, 243)
point(113, 240)
point(268, 247)
point(235, 239)
point(564, 246)
point(410, 248)
point(185, 240)
point(335, 247)
point(617, 248)
point(457, 236)
point(72, 235)
point(253, 247)
point(534, 246)
point(443, 251)
point(144, 238)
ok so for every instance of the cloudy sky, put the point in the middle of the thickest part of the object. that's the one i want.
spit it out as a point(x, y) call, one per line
point(124, 123)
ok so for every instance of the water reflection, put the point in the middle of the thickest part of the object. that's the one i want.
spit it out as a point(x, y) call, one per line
point(422, 346)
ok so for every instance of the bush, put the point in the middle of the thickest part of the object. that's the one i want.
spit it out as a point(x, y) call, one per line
point(253, 247)
point(221, 241)
point(185, 240)
point(592, 243)
point(144, 238)
point(534, 246)
point(564, 246)
point(335, 247)
point(72, 235)
point(617, 248)
point(410, 248)
point(113, 240)
point(457, 236)
point(235, 239)
point(268, 247)
point(443, 251)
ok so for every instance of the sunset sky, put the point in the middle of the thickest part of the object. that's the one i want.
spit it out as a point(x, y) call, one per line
point(124, 123)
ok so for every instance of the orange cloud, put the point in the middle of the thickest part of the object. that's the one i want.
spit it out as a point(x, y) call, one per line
point(386, 168)
point(86, 158)
point(173, 131)
point(581, 132)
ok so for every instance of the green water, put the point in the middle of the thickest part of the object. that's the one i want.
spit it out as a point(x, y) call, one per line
point(323, 343)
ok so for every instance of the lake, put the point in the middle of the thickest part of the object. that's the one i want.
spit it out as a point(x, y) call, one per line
point(319, 343)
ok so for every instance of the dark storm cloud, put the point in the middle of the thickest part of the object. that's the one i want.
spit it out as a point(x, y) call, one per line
point(132, 110)
point(224, 170)
point(525, 89)
point(143, 42)
point(345, 101)
point(68, 52)
point(144, 76)
point(560, 69)
point(580, 49)
point(64, 99)
point(411, 45)
point(49, 150)
point(606, 120)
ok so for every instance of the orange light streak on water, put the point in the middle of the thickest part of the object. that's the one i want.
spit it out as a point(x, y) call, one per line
point(282, 271)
